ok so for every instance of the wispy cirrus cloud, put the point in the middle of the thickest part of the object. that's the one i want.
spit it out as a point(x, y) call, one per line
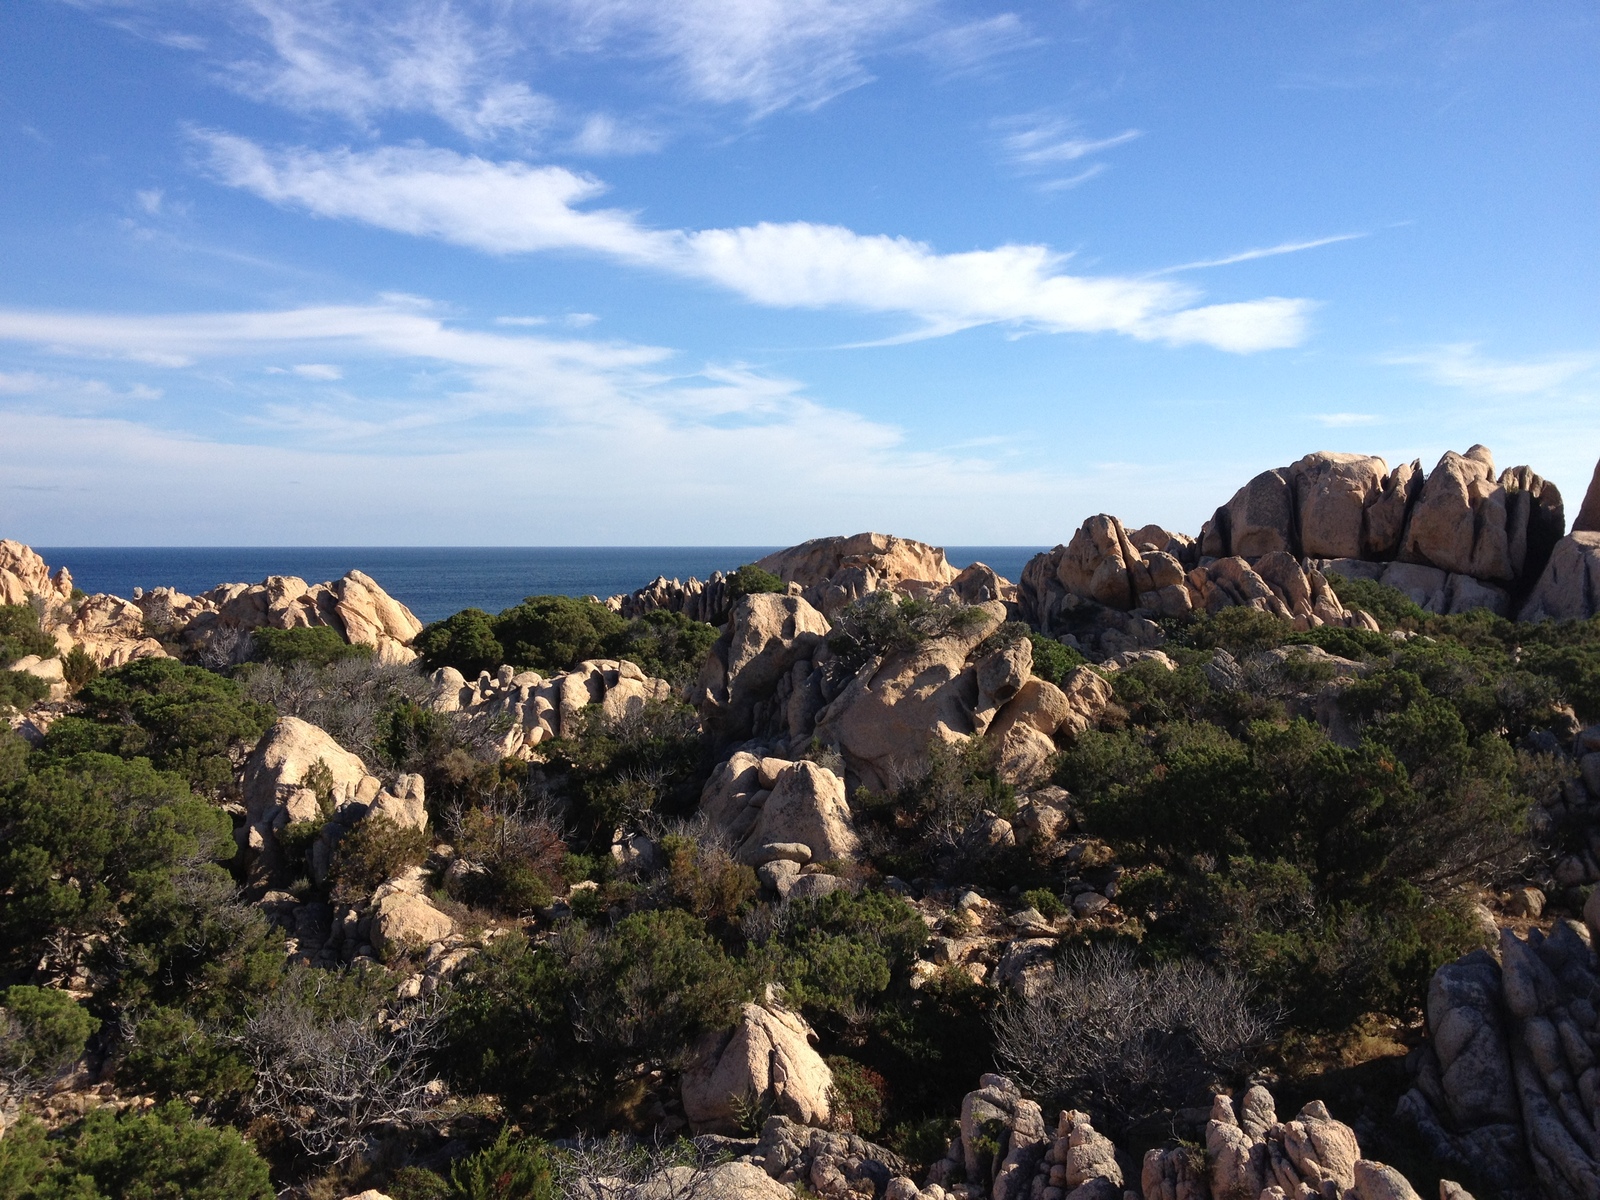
point(1228, 260)
point(1461, 365)
point(1053, 143)
point(513, 208)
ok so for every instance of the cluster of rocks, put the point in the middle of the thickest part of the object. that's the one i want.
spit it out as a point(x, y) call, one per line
point(522, 709)
point(768, 680)
point(114, 631)
point(698, 601)
point(780, 817)
point(765, 1063)
point(1508, 1085)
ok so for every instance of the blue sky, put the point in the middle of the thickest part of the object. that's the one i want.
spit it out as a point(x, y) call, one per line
point(545, 272)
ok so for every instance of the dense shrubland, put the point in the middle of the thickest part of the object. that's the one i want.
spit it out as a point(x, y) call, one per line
point(1266, 832)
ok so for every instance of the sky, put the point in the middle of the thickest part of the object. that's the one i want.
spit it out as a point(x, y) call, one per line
point(708, 272)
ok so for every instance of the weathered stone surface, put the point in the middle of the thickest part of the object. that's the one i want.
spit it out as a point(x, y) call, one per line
point(403, 804)
point(403, 919)
point(1387, 513)
point(831, 572)
point(276, 771)
point(766, 1060)
point(1588, 518)
point(766, 636)
point(807, 806)
point(1001, 674)
point(1258, 520)
point(1535, 520)
point(1087, 693)
point(1374, 1181)
point(1096, 563)
point(23, 574)
point(885, 718)
point(1333, 494)
point(1569, 587)
point(1458, 524)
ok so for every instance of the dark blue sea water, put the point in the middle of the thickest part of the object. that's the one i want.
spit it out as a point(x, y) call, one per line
point(437, 581)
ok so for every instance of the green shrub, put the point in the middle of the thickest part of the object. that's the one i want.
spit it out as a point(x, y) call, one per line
point(172, 1055)
point(83, 841)
point(465, 641)
point(958, 782)
point(751, 580)
point(163, 1154)
point(374, 851)
point(1239, 630)
point(20, 691)
point(665, 645)
point(416, 1183)
point(884, 624)
point(42, 1032)
point(317, 645)
point(556, 633)
point(1052, 661)
point(707, 880)
point(1391, 607)
point(841, 951)
point(79, 667)
point(412, 737)
point(617, 769)
point(508, 1169)
point(184, 719)
point(859, 1096)
point(522, 854)
point(21, 636)
point(1047, 903)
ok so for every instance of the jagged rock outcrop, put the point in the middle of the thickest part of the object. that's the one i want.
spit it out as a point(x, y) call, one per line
point(297, 772)
point(355, 606)
point(833, 571)
point(526, 709)
point(760, 677)
point(768, 807)
point(834, 1164)
point(698, 601)
point(766, 1062)
point(1508, 1086)
point(23, 574)
point(1081, 589)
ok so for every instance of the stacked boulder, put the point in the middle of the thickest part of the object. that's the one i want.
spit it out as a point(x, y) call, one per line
point(780, 816)
point(767, 680)
point(24, 575)
point(1508, 1086)
point(527, 709)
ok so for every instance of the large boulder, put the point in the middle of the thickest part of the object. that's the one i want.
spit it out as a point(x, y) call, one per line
point(1535, 520)
point(1458, 524)
point(886, 717)
point(355, 607)
point(23, 574)
point(404, 920)
point(1258, 520)
point(1386, 513)
point(765, 1063)
point(805, 806)
point(278, 769)
point(1333, 494)
point(767, 636)
point(1097, 563)
point(1588, 518)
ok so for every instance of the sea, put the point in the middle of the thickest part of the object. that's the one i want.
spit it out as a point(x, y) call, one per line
point(435, 581)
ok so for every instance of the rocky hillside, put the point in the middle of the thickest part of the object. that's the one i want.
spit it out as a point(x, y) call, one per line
point(843, 873)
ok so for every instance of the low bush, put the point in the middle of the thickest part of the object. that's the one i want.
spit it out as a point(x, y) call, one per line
point(21, 636)
point(555, 633)
point(665, 645)
point(1052, 661)
point(42, 1032)
point(751, 580)
point(1125, 1039)
point(316, 645)
point(520, 848)
point(78, 667)
point(352, 699)
point(183, 719)
point(374, 851)
point(162, 1154)
point(20, 691)
point(859, 1097)
point(1391, 607)
point(465, 641)
point(884, 624)
point(510, 1168)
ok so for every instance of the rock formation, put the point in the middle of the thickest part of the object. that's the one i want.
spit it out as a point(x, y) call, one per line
point(23, 574)
point(765, 1063)
point(832, 571)
point(1508, 1085)
point(769, 807)
point(526, 709)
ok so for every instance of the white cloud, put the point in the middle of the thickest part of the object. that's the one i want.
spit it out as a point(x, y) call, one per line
point(967, 47)
point(1053, 142)
point(1460, 365)
point(764, 54)
point(584, 440)
point(149, 200)
point(1264, 252)
point(323, 372)
point(603, 136)
point(511, 207)
point(360, 63)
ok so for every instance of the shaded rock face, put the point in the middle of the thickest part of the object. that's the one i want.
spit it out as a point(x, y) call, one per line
point(1508, 1085)
point(766, 1061)
point(1569, 588)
